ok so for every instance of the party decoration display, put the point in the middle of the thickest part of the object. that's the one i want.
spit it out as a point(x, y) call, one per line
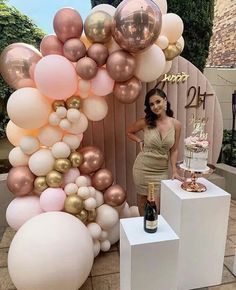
point(62, 188)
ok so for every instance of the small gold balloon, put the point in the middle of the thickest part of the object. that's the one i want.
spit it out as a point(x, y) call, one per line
point(40, 184)
point(91, 215)
point(73, 204)
point(83, 215)
point(62, 165)
point(73, 102)
point(58, 103)
point(172, 51)
point(76, 159)
point(54, 179)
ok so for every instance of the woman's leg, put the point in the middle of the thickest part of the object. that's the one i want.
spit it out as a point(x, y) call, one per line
point(141, 200)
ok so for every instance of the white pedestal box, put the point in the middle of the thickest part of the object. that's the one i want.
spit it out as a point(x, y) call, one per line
point(147, 261)
point(200, 220)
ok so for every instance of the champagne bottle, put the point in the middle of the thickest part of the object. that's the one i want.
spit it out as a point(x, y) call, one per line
point(150, 212)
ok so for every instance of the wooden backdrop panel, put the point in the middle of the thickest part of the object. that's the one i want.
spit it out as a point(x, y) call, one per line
point(110, 134)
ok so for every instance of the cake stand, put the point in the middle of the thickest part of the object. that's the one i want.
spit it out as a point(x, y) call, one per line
point(193, 185)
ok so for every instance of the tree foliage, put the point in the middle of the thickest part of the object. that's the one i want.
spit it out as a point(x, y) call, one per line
point(197, 16)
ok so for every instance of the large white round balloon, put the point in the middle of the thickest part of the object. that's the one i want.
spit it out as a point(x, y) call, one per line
point(52, 251)
point(60, 150)
point(150, 64)
point(107, 216)
point(95, 108)
point(172, 27)
point(41, 162)
point(28, 109)
point(114, 233)
point(18, 158)
point(49, 135)
point(72, 141)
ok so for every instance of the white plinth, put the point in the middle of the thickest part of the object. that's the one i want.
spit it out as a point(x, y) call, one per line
point(147, 261)
point(200, 220)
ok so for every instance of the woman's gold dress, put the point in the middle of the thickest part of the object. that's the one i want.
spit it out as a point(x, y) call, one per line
point(151, 164)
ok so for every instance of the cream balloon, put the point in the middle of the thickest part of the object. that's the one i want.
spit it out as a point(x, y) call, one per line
point(99, 198)
point(90, 203)
point(61, 112)
point(94, 230)
point(181, 42)
point(172, 27)
point(41, 162)
point(73, 115)
point(65, 124)
point(72, 141)
point(95, 108)
point(96, 248)
point(60, 150)
point(162, 4)
point(49, 135)
point(71, 188)
point(162, 42)
point(82, 181)
point(29, 144)
point(114, 233)
point(105, 245)
point(54, 119)
point(18, 158)
point(79, 127)
point(167, 67)
point(145, 61)
point(28, 109)
point(83, 191)
point(125, 212)
point(107, 216)
point(105, 8)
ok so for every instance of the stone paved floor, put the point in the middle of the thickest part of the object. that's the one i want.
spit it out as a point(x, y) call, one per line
point(105, 271)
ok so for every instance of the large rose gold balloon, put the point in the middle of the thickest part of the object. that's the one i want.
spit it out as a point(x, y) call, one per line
point(102, 179)
point(74, 49)
point(114, 195)
point(20, 180)
point(99, 53)
point(93, 159)
point(128, 92)
point(137, 24)
point(121, 65)
point(67, 23)
point(17, 63)
point(97, 27)
point(86, 68)
point(50, 44)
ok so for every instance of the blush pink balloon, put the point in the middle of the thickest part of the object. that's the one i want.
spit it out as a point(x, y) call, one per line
point(55, 77)
point(20, 180)
point(102, 84)
point(21, 209)
point(52, 199)
point(50, 44)
point(70, 176)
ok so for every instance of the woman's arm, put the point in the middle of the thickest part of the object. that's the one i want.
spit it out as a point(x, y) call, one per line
point(134, 128)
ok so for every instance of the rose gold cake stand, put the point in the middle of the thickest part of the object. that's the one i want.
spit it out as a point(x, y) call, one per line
point(193, 185)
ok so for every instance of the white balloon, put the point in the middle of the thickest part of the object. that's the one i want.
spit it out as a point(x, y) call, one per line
point(105, 245)
point(125, 212)
point(71, 188)
point(29, 144)
point(18, 158)
point(92, 191)
point(99, 198)
point(90, 203)
point(181, 41)
point(172, 27)
point(106, 8)
point(134, 212)
point(59, 253)
point(61, 150)
point(89, 182)
point(103, 236)
point(106, 217)
point(81, 181)
point(162, 42)
point(162, 4)
point(49, 135)
point(61, 112)
point(152, 58)
point(95, 230)
point(96, 248)
point(73, 115)
point(65, 124)
point(54, 119)
point(79, 127)
point(41, 162)
point(95, 108)
point(72, 140)
point(84, 86)
point(114, 233)
point(83, 191)
point(167, 66)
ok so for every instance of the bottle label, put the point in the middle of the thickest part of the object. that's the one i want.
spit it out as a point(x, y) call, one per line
point(151, 224)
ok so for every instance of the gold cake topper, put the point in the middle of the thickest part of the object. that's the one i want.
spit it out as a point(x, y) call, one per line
point(198, 126)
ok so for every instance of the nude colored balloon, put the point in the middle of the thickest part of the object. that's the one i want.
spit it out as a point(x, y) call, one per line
point(74, 49)
point(172, 27)
point(92, 159)
point(99, 53)
point(20, 180)
point(105, 8)
point(17, 63)
point(114, 195)
point(50, 44)
point(86, 68)
point(95, 108)
point(162, 4)
point(102, 179)
point(67, 23)
point(49, 135)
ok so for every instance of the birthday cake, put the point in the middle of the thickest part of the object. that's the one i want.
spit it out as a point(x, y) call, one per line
point(196, 147)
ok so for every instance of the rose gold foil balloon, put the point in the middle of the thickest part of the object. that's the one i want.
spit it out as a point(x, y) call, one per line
point(93, 159)
point(67, 23)
point(20, 180)
point(50, 44)
point(137, 24)
point(128, 92)
point(99, 53)
point(17, 63)
point(97, 27)
point(121, 65)
point(114, 195)
point(74, 49)
point(86, 68)
point(102, 179)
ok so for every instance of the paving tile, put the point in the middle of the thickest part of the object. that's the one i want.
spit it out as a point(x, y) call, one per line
point(7, 238)
point(106, 282)
point(227, 276)
point(87, 285)
point(232, 212)
point(233, 202)
point(5, 281)
point(233, 239)
point(106, 263)
point(231, 286)
point(229, 262)
point(229, 248)
point(231, 228)
point(3, 257)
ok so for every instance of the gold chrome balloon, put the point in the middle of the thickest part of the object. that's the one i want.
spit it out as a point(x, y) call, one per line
point(40, 183)
point(54, 179)
point(83, 215)
point(172, 51)
point(76, 159)
point(62, 165)
point(73, 102)
point(97, 27)
point(58, 103)
point(91, 215)
point(73, 204)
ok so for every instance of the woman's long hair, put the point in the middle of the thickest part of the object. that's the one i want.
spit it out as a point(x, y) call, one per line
point(150, 117)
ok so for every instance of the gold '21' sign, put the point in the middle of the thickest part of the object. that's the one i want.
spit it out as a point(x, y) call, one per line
point(194, 95)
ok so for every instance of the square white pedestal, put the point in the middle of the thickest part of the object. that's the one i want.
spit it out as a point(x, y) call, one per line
point(200, 220)
point(147, 261)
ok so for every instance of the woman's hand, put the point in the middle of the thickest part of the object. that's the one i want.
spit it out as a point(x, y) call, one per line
point(175, 175)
